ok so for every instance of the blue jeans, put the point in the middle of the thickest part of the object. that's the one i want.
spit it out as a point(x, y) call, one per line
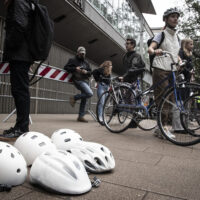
point(86, 92)
point(102, 87)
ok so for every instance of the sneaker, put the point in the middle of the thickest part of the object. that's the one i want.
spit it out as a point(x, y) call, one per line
point(168, 133)
point(82, 119)
point(15, 133)
point(158, 133)
point(5, 132)
point(72, 101)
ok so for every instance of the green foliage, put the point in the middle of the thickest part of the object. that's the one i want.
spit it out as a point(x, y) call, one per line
point(190, 27)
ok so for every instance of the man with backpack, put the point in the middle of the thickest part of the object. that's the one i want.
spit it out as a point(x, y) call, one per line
point(16, 52)
point(133, 66)
point(29, 34)
point(167, 40)
point(81, 71)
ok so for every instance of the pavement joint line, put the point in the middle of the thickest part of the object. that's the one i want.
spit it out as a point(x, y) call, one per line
point(24, 194)
point(159, 160)
point(147, 191)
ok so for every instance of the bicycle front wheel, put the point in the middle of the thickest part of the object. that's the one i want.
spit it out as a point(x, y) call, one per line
point(169, 117)
point(117, 114)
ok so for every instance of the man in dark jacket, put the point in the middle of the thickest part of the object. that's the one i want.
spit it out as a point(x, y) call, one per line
point(133, 66)
point(16, 52)
point(81, 72)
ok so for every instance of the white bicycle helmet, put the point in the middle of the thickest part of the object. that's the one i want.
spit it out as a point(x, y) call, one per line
point(32, 144)
point(13, 169)
point(95, 157)
point(63, 137)
point(170, 11)
point(61, 172)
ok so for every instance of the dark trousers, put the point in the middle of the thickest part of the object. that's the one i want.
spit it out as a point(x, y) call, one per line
point(19, 80)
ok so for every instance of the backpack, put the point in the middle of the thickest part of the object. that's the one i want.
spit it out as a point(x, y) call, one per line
point(41, 29)
point(151, 57)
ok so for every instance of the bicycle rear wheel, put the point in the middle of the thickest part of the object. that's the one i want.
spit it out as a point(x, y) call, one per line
point(169, 117)
point(190, 118)
point(117, 114)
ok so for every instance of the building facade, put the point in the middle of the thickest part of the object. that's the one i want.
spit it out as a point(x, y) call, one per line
point(101, 26)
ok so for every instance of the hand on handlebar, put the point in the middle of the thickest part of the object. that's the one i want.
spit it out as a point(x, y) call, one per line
point(158, 52)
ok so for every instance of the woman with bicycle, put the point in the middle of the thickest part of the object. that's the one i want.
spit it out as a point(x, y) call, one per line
point(102, 76)
point(167, 40)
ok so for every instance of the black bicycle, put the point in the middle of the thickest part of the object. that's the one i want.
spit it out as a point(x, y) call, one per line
point(127, 104)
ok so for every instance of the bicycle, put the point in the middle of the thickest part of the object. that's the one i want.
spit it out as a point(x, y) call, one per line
point(118, 112)
point(171, 102)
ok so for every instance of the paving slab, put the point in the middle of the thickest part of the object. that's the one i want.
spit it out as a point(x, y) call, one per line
point(147, 168)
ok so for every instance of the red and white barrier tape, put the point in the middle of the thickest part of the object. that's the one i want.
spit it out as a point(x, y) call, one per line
point(45, 71)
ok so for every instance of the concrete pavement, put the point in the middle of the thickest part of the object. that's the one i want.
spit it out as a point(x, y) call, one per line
point(147, 168)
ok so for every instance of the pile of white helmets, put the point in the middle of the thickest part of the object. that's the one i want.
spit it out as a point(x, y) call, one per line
point(59, 163)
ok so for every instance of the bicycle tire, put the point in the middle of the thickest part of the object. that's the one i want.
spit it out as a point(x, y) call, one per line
point(190, 118)
point(112, 114)
point(149, 122)
point(168, 106)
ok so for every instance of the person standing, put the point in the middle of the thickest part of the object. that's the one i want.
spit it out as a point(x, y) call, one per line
point(81, 72)
point(102, 76)
point(162, 64)
point(16, 52)
point(133, 66)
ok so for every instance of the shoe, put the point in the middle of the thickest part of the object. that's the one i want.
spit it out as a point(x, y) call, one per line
point(72, 101)
point(157, 133)
point(101, 121)
point(168, 133)
point(82, 119)
point(5, 132)
point(15, 133)
point(180, 131)
point(133, 124)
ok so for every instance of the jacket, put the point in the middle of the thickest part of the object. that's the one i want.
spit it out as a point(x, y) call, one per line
point(188, 66)
point(99, 76)
point(133, 66)
point(16, 46)
point(71, 68)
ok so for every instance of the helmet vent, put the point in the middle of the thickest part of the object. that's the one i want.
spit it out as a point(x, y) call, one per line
point(83, 152)
point(62, 133)
point(89, 164)
point(7, 146)
point(67, 140)
point(34, 136)
point(42, 144)
point(106, 158)
point(111, 155)
point(102, 149)
point(18, 170)
point(69, 151)
point(90, 150)
point(12, 155)
point(1, 150)
point(98, 161)
point(69, 171)
point(81, 139)
point(77, 165)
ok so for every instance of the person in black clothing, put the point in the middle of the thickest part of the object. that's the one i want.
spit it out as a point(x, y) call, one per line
point(16, 52)
point(102, 76)
point(133, 66)
point(81, 72)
